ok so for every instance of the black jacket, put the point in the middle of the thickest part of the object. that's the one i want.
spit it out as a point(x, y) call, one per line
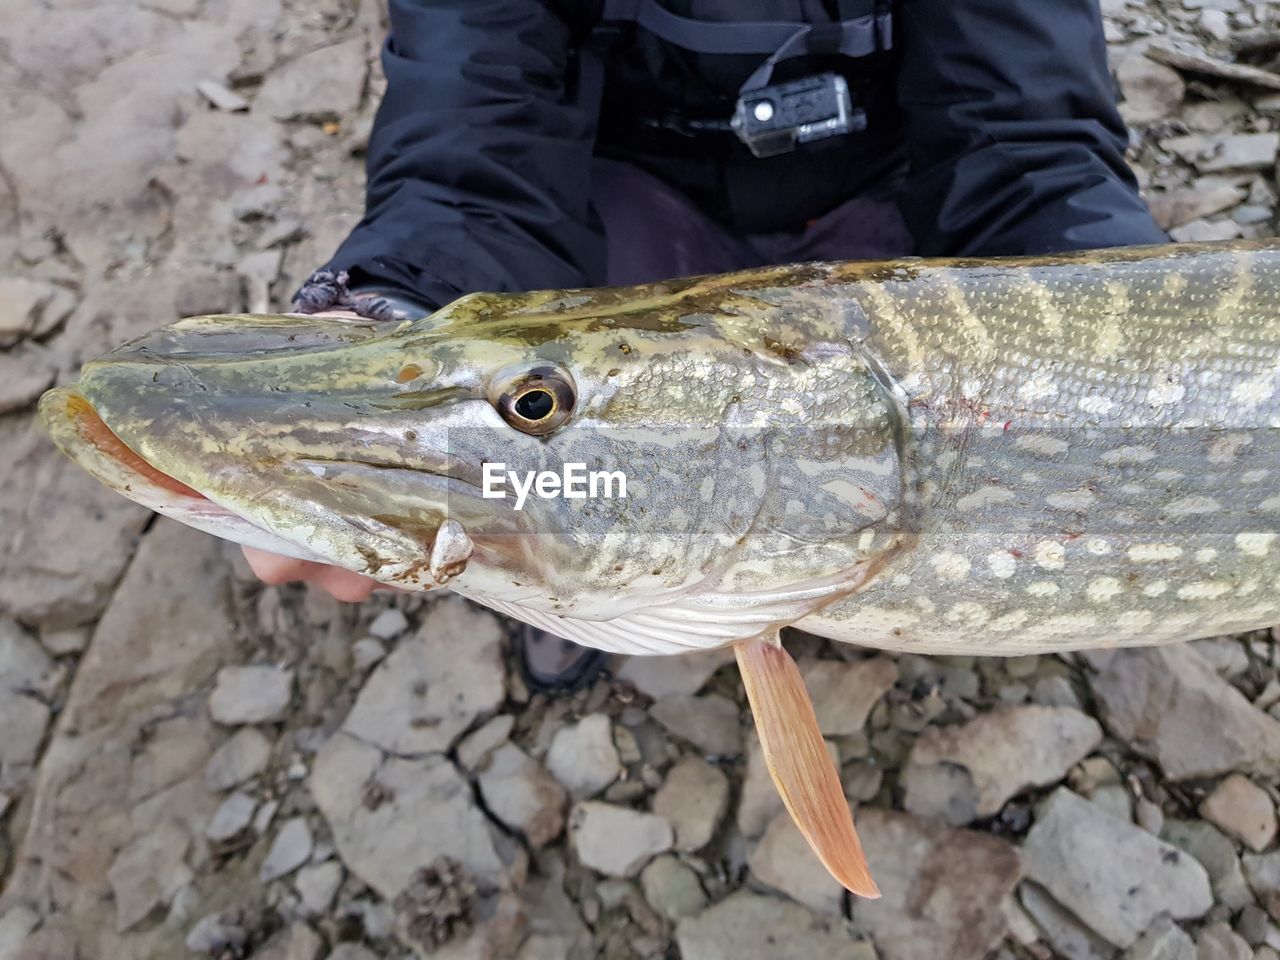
point(994, 120)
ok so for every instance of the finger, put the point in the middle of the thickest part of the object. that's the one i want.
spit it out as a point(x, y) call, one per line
point(274, 569)
point(343, 584)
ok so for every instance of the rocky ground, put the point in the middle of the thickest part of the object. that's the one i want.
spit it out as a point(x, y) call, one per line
point(194, 766)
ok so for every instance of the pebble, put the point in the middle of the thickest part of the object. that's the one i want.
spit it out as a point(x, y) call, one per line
point(710, 722)
point(684, 675)
point(583, 756)
point(783, 860)
point(242, 756)
point(1170, 705)
point(844, 693)
point(424, 696)
point(475, 748)
point(246, 695)
point(318, 884)
point(1151, 91)
point(521, 794)
point(290, 850)
point(217, 935)
point(351, 951)
point(1003, 753)
point(366, 652)
point(26, 371)
point(748, 926)
point(693, 799)
point(1242, 809)
point(231, 818)
point(1205, 197)
point(1113, 875)
point(325, 84)
point(1217, 941)
point(1163, 940)
point(220, 96)
point(16, 924)
point(1213, 851)
point(1212, 153)
point(617, 841)
point(1066, 934)
point(389, 624)
point(1263, 873)
point(298, 942)
point(148, 873)
point(672, 888)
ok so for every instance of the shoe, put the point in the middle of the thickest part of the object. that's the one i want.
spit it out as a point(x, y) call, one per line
point(553, 665)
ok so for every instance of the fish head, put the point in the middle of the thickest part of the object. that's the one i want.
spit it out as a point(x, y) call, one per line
point(574, 452)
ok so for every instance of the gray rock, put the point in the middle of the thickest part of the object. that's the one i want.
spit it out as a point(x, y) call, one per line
point(1169, 705)
point(747, 926)
point(26, 673)
point(522, 795)
point(1003, 753)
point(943, 888)
point(583, 757)
point(231, 818)
point(475, 748)
point(783, 860)
point(366, 652)
point(1215, 24)
point(389, 624)
point(244, 755)
point(1218, 942)
point(23, 300)
point(672, 888)
point(325, 84)
point(391, 817)
point(1213, 851)
point(693, 799)
point(1114, 876)
point(1065, 933)
point(423, 696)
point(1205, 197)
point(148, 873)
point(844, 693)
point(685, 675)
point(221, 96)
point(298, 942)
point(317, 885)
point(1183, 57)
point(26, 371)
point(16, 924)
point(1151, 91)
point(351, 951)
point(1163, 940)
point(1263, 873)
point(1205, 231)
point(617, 841)
point(216, 934)
point(710, 722)
point(290, 850)
point(254, 694)
point(1230, 151)
point(1242, 809)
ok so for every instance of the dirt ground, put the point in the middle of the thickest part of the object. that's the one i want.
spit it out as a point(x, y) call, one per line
point(193, 765)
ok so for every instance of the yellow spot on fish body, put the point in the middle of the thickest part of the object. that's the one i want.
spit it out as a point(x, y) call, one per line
point(1204, 590)
point(1079, 499)
point(1155, 588)
point(950, 566)
point(1097, 546)
point(1043, 588)
point(1009, 622)
point(1154, 552)
point(1103, 589)
point(1186, 506)
point(1050, 555)
point(1254, 544)
point(1206, 555)
point(968, 614)
point(1041, 444)
point(1002, 564)
point(1255, 392)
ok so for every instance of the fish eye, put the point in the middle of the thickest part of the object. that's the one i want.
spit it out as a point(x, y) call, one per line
point(537, 401)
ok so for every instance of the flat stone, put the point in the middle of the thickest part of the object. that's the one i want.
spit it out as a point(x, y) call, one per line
point(231, 818)
point(221, 96)
point(683, 675)
point(1003, 753)
point(1169, 705)
point(1191, 60)
point(391, 817)
point(1151, 91)
point(325, 84)
point(1263, 873)
point(475, 748)
point(424, 696)
point(522, 795)
point(617, 841)
point(1065, 933)
point(297, 942)
point(1217, 941)
point(1205, 231)
point(1205, 197)
point(693, 799)
point(672, 888)
point(783, 860)
point(148, 873)
point(1217, 854)
point(389, 624)
point(317, 885)
point(710, 722)
point(1163, 940)
point(16, 924)
point(942, 888)
point(1228, 151)
point(844, 693)
point(216, 934)
point(1113, 875)
point(1243, 809)
point(583, 756)
point(21, 302)
point(251, 694)
point(290, 850)
point(26, 371)
point(242, 756)
point(748, 926)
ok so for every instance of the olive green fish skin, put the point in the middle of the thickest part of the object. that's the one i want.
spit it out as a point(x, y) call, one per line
point(943, 456)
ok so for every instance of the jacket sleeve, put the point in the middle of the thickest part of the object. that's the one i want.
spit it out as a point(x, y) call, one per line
point(480, 155)
point(1014, 141)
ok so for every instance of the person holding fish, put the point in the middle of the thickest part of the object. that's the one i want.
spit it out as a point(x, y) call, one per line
point(532, 144)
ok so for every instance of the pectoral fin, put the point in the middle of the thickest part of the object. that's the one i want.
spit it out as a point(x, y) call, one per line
point(799, 763)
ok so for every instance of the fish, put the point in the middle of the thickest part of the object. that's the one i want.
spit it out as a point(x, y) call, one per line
point(962, 456)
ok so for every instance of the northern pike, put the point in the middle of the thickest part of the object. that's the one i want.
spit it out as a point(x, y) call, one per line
point(953, 456)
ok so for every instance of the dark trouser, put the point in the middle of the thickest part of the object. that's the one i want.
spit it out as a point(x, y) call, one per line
point(654, 232)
